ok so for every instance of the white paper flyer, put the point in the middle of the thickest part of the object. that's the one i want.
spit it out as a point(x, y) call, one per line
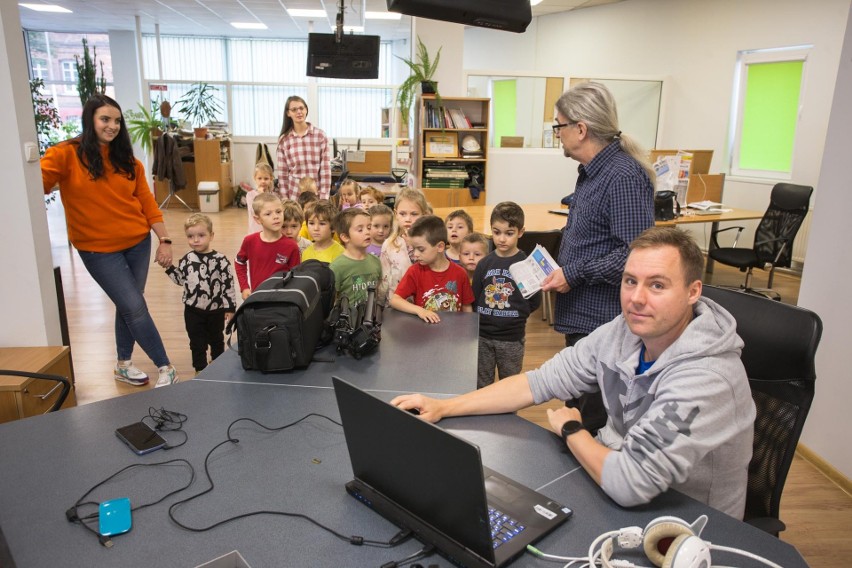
point(531, 272)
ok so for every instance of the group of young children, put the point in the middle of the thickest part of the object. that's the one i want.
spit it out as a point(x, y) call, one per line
point(419, 263)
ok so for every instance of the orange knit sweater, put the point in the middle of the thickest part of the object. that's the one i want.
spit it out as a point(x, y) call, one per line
point(108, 214)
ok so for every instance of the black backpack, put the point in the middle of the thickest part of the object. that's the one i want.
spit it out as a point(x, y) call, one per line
point(283, 321)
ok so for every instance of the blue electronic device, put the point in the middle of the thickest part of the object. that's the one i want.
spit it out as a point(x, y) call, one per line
point(114, 517)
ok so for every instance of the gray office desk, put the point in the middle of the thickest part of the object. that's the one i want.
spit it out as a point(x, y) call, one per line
point(49, 461)
point(413, 356)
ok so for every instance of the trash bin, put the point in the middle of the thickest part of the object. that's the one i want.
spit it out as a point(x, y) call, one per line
point(208, 196)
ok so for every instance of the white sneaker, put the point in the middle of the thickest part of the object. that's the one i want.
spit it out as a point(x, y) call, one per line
point(168, 376)
point(127, 373)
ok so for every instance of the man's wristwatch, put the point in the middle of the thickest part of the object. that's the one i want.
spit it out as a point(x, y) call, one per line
point(165, 240)
point(571, 427)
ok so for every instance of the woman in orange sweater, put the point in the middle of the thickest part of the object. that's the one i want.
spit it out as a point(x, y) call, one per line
point(110, 212)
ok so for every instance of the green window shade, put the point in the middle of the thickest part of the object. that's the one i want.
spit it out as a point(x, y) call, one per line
point(504, 101)
point(770, 113)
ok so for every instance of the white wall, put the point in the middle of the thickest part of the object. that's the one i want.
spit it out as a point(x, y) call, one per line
point(696, 50)
point(450, 39)
point(828, 268)
point(27, 293)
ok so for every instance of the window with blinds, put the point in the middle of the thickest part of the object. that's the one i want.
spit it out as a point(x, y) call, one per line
point(255, 77)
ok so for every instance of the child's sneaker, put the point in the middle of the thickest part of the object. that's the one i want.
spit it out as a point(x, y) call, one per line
point(127, 373)
point(168, 376)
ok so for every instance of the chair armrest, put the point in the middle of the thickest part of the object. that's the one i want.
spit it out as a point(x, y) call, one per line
point(767, 525)
point(65, 383)
point(715, 243)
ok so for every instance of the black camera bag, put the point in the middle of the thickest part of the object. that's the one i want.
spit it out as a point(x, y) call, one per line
point(282, 322)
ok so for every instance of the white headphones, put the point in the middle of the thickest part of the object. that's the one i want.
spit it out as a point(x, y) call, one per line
point(669, 542)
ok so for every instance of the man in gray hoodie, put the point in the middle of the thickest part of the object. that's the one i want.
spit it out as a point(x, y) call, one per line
point(680, 412)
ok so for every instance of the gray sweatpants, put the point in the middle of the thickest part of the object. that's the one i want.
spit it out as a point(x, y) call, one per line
point(506, 356)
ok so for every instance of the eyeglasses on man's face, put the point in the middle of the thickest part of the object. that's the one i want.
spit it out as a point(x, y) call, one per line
point(557, 127)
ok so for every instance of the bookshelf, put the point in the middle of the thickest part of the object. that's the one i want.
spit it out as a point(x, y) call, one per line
point(446, 159)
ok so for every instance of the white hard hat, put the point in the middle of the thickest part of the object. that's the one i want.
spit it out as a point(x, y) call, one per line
point(470, 143)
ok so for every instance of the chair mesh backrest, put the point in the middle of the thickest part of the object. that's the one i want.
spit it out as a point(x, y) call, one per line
point(788, 206)
point(778, 356)
point(782, 407)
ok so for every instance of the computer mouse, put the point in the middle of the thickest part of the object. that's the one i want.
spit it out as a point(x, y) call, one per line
point(414, 411)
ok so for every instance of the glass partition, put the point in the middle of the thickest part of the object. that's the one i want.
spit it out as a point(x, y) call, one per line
point(522, 107)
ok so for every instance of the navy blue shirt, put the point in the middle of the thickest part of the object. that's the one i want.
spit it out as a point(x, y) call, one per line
point(613, 203)
point(502, 309)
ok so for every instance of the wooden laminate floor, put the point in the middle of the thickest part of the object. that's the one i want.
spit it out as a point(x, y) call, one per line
point(818, 513)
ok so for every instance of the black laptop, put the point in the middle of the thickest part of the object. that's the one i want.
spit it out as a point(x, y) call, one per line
point(425, 479)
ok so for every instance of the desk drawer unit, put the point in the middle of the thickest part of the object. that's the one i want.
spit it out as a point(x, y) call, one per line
point(21, 397)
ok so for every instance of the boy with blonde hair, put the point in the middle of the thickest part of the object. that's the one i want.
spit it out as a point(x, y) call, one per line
point(355, 270)
point(209, 299)
point(435, 283)
point(263, 254)
point(308, 185)
point(264, 182)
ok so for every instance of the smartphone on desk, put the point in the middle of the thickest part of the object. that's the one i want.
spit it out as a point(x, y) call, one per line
point(140, 438)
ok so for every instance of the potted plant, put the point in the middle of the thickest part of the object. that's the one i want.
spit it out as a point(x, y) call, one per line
point(144, 126)
point(88, 82)
point(422, 70)
point(200, 107)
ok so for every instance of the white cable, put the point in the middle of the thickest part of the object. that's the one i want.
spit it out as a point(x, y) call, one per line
point(591, 556)
point(745, 553)
point(544, 556)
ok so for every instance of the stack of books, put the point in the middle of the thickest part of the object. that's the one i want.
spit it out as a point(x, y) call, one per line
point(444, 176)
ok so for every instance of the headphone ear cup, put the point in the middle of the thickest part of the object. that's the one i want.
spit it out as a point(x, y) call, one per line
point(657, 537)
point(687, 551)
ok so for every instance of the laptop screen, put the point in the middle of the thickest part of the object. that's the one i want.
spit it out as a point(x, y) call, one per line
point(431, 473)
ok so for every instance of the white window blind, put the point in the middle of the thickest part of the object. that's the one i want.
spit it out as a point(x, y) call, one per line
point(256, 77)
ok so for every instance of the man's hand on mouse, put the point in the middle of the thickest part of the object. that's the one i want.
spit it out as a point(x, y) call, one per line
point(429, 409)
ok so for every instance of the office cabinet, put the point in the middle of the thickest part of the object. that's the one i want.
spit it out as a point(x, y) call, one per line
point(21, 397)
point(211, 162)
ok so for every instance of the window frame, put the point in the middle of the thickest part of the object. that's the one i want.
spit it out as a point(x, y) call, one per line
point(756, 57)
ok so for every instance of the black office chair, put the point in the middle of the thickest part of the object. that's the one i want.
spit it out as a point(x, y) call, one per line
point(62, 382)
point(780, 346)
point(549, 240)
point(773, 240)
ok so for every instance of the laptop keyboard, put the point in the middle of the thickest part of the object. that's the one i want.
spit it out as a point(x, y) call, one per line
point(503, 527)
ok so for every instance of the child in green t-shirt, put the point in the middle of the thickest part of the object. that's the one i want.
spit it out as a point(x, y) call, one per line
point(355, 270)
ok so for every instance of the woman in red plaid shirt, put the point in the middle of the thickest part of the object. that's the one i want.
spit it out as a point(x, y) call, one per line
point(302, 151)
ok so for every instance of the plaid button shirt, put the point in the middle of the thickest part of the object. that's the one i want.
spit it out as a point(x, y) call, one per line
point(300, 156)
point(613, 203)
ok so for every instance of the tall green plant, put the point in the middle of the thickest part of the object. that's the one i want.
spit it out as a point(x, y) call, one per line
point(199, 105)
point(422, 70)
point(46, 115)
point(88, 82)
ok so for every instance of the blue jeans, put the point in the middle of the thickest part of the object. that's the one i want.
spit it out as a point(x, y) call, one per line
point(122, 276)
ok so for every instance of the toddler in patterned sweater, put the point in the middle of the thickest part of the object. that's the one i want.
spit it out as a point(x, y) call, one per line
point(209, 297)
